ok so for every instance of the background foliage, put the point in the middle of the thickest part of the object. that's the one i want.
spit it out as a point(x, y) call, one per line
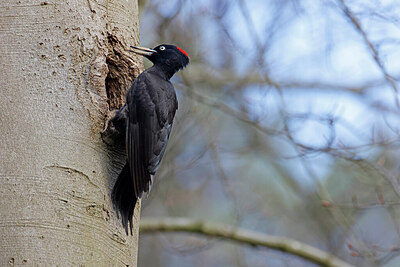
point(288, 124)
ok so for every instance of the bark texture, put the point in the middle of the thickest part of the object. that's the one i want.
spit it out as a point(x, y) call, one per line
point(64, 65)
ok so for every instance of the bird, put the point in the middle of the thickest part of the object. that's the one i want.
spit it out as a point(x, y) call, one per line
point(146, 121)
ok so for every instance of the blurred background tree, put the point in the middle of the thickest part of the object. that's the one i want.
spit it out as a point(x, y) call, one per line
point(288, 124)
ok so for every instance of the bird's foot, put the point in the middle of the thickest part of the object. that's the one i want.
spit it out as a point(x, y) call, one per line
point(110, 118)
point(110, 133)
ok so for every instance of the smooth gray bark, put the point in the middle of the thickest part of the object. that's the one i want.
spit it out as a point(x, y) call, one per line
point(55, 171)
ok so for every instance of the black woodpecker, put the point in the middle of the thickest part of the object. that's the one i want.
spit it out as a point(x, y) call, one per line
point(146, 120)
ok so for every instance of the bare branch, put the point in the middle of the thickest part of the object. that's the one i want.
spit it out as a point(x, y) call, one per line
point(248, 237)
point(372, 48)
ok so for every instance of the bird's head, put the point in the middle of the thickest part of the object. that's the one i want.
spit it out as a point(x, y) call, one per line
point(166, 56)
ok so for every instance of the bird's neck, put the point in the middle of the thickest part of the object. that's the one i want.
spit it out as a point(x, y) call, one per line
point(165, 70)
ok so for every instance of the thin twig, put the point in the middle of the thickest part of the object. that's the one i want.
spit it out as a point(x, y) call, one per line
point(248, 237)
point(372, 48)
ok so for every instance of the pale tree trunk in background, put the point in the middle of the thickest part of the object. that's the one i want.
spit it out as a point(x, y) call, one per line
point(63, 65)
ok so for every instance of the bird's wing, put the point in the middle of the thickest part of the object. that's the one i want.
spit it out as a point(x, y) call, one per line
point(150, 117)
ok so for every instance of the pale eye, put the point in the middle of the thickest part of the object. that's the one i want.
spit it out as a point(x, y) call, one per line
point(162, 48)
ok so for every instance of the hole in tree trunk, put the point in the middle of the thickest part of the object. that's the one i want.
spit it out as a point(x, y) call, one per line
point(121, 73)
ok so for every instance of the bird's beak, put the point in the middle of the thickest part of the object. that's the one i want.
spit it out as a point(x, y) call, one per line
point(142, 50)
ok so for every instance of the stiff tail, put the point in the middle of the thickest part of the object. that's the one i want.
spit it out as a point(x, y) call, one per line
point(123, 198)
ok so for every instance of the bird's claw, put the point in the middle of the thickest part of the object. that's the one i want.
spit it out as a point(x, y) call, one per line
point(110, 117)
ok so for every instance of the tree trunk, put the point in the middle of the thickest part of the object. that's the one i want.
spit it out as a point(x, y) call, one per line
point(64, 65)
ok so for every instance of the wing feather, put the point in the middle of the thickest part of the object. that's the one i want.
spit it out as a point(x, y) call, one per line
point(150, 117)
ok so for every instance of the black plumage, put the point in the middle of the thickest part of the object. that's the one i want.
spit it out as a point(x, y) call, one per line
point(147, 119)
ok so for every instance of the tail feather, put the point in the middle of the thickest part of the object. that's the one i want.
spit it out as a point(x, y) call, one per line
point(123, 198)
